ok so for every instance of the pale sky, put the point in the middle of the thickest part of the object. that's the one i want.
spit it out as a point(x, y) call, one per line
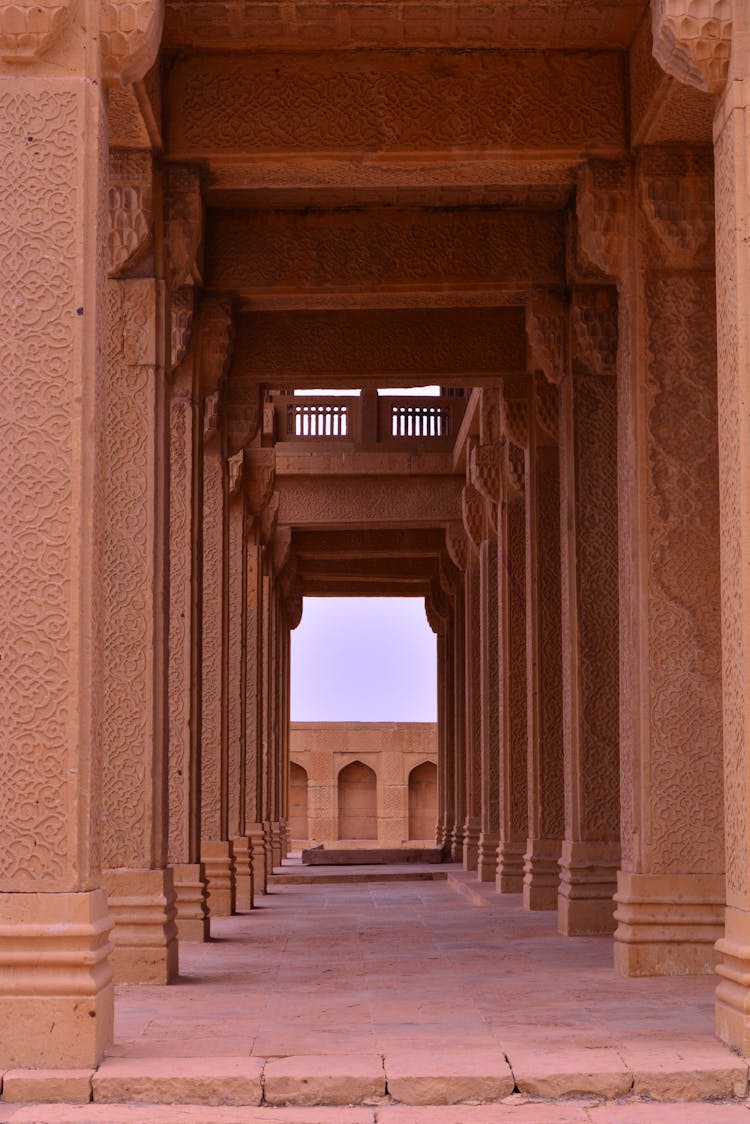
point(364, 659)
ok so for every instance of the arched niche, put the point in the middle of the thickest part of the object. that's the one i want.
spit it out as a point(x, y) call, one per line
point(423, 801)
point(298, 825)
point(358, 802)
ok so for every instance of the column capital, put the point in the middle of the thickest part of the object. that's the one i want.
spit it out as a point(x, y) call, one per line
point(235, 469)
point(515, 411)
point(183, 207)
point(546, 410)
point(485, 469)
point(242, 400)
point(594, 319)
point(546, 334)
point(514, 466)
point(131, 212)
point(28, 28)
point(131, 36)
point(692, 42)
point(602, 199)
point(676, 195)
point(181, 313)
point(455, 544)
point(216, 329)
point(472, 513)
point(260, 478)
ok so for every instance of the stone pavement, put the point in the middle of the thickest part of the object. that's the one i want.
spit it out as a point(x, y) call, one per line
point(367, 994)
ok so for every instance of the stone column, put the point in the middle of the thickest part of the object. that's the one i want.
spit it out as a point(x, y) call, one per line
point(55, 972)
point(512, 701)
point(139, 886)
point(455, 541)
point(543, 651)
point(671, 886)
point(473, 518)
point(217, 852)
point(588, 496)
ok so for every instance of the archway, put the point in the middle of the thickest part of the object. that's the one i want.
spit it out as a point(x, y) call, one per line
point(298, 826)
point(358, 802)
point(423, 801)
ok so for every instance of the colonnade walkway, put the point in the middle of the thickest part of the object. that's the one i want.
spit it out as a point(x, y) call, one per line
point(330, 991)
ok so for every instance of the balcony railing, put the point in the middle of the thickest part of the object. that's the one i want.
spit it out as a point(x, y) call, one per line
point(369, 420)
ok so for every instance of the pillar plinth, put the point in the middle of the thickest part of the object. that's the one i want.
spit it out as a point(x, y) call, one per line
point(667, 925)
point(243, 861)
point(284, 833)
point(276, 850)
point(509, 869)
point(541, 873)
point(487, 856)
point(588, 875)
point(55, 974)
point(217, 856)
point(144, 939)
point(191, 901)
point(257, 841)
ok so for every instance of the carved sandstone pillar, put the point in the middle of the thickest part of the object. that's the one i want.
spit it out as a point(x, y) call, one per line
point(588, 495)
point(455, 541)
point(671, 886)
point(473, 518)
point(543, 651)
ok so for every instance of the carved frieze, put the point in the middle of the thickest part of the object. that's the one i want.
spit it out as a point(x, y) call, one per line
point(602, 202)
point(130, 207)
point(28, 28)
point(595, 329)
point(183, 222)
point(692, 40)
point(546, 334)
point(677, 198)
point(130, 36)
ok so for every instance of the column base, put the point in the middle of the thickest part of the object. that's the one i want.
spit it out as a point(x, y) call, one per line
point(276, 843)
point(255, 833)
point(588, 881)
point(456, 846)
point(56, 993)
point(541, 874)
point(268, 848)
point(667, 924)
point(472, 831)
point(243, 876)
point(733, 992)
point(284, 833)
point(192, 910)
point(142, 906)
point(487, 857)
point(217, 856)
point(441, 835)
point(509, 872)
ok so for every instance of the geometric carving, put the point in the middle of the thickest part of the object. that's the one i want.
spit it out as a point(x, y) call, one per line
point(242, 409)
point(181, 308)
point(515, 412)
point(595, 330)
point(601, 211)
point(692, 41)
point(183, 222)
point(215, 341)
point(130, 207)
point(486, 470)
point(130, 37)
point(546, 334)
point(546, 400)
point(28, 28)
point(677, 197)
point(472, 512)
point(515, 470)
point(455, 544)
point(235, 466)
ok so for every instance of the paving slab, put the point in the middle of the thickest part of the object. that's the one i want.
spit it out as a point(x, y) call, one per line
point(422, 1077)
point(488, 1114)
point(62, 1086)
point(203, 1081)
point(179, 1114)
point(323, 1079)
point(685, 1071)
point(570, 1072)
point(640, 1112)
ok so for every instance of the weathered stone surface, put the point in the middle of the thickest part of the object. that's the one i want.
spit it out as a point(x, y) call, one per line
point(447, 1077)
point(164, 1080)
point(330, 1079)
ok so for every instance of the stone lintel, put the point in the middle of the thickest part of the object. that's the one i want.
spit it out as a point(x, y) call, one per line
point(387, 502)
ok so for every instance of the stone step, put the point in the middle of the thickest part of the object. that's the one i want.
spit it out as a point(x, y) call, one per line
point(298, 875)
point(370, 856)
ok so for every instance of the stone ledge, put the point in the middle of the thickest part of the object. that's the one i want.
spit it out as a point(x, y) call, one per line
point(446, 1078)
point(312, 1079)
point(48, 1086)
point(570, 1072)
point(206, 1081)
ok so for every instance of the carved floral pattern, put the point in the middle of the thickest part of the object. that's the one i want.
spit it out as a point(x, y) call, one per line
point(693, 39)
point(594, 313)
point(130, 207)
point(28, 28)
point(131, 34)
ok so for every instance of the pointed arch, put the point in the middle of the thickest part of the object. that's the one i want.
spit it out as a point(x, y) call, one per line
point(423, 801)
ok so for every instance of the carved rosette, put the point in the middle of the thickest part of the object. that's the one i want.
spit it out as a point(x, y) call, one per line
point(184, 223)
point(181, 309)
point(131, 36)
point(692, 40)
point(595, 330)
point(486, 470)
point(546, 332)
point(455, 544)
point(130, 208)
point(677, 198)
point(472, 513)
point(28, 28)
point(601, 213)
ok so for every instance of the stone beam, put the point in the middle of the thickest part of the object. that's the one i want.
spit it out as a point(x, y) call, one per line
point(369, 569)
point(396, 102)
point(350, 587)
point(380, 348)
point(322, 545)
point(321, 258)
point(375, 502)
point(249, 25)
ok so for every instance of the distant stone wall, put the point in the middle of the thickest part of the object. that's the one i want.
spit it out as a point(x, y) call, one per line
point(373, 783)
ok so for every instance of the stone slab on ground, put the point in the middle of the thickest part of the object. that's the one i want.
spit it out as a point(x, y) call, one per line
point(370, 856)
point(685, 1071)
point(179, 1114)
point(466, 883)
point(165, 1080)
point(570, 1072)
point(298, 875)
point(422, 1077)
point(639, 1112)
point(50, 1086)
point(324, 1079)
